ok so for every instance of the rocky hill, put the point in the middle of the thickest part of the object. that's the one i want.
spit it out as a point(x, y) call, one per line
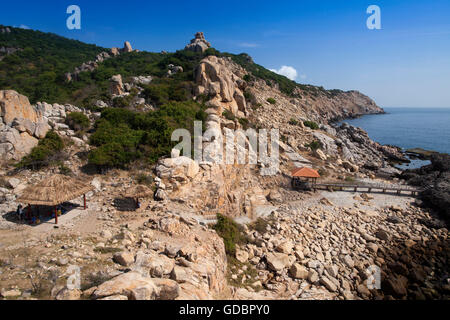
point(108, 116)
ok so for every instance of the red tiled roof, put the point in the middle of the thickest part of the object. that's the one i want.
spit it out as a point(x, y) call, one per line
point(305, 173)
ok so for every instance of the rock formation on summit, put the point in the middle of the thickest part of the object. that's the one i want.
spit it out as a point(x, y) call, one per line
point(127, 47)
point(199, 43)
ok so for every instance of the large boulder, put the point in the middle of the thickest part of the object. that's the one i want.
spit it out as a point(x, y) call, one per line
point(24, 125)
point(41, 129)
point(181, 169)
point(131, 284)
point(14, 105)
point(278, 261)
point(15, 145)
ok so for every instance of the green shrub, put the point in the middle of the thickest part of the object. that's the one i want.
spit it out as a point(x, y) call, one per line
point(145, 179)
point(77, 121)
point(259, 225)
point(315, 145)
point(311, 124)
point(293, 122)
point(123, 136)
point(244, 123)
point(247, 78)
point(228, 115)
point(230, 232)
point(249, 97)
point(47, 148)
point(64, 170)
point(271, 100)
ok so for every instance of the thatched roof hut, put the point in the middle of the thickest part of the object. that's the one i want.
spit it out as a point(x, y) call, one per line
point(55, 190)
point(138, 191)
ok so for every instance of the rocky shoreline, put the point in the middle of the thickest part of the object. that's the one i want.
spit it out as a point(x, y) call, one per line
point(435, 179)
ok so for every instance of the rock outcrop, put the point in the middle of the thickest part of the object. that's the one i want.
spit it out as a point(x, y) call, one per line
point(22, 125)
point(435, 180)
point(14, 105)
point(116, 88)
point(216, 80)
point(19, 122)
point(127, 47)
point(199, 43)
point(90, 66)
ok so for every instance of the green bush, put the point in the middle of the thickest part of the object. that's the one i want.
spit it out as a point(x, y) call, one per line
point(145, 179)
point(293, 122)
point(271, 100)
point(315, 145)
point(249, 97)
point(259, 225)
point(228, 115)
point(64, 170)
point(311, 124)
point(244, 123)
point(77, 121)
point(123, 136)
point(40, 156)
point(230, 232)
point(247, 78)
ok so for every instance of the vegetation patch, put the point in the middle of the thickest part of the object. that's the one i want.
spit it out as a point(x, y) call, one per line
point(315, 145)
point(106, 250)
point(293, 122)
point(242, 275)
point(123, 136)
point(231, 233)
point(47, 151)
point(228, 115)
point(77, 121)
point(271, 101)
point(259, 225)
point(311, 124)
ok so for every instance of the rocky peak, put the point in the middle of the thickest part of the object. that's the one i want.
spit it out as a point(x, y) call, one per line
point(127, 47)
point(199, 43)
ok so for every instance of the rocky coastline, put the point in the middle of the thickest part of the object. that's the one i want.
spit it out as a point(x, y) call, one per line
point(435, 179)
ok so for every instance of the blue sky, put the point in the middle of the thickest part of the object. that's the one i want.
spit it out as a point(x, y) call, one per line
point(405, 64)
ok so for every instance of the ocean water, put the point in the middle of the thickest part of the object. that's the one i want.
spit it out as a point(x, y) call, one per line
point(426, 128)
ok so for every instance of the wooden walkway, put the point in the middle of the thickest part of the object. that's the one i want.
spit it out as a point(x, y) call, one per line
point(383, 188)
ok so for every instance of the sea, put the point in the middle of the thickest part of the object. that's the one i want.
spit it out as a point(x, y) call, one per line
point(426, 128)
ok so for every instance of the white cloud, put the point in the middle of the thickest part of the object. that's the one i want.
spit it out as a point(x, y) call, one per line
point(288, 72)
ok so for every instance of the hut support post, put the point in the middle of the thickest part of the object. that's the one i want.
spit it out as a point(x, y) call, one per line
point(56, 216)
point(84, 201)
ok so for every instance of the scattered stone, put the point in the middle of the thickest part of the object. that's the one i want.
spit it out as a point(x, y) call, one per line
point(123, 258)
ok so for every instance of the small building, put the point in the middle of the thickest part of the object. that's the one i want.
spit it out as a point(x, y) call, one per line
point(304, 178)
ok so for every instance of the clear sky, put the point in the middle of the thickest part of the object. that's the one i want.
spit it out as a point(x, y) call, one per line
point(405, 64)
